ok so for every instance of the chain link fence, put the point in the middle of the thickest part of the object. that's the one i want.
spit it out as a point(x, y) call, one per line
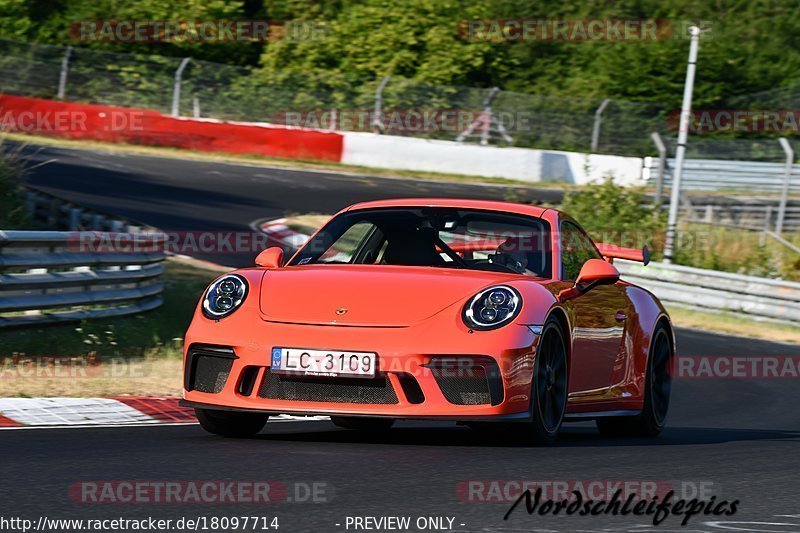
point(394, 106)
point(400, 107)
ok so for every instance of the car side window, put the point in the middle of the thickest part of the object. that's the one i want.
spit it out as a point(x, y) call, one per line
point(576, 249)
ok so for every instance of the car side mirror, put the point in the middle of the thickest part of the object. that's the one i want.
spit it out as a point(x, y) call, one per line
point(270, 258)
point(594, 272)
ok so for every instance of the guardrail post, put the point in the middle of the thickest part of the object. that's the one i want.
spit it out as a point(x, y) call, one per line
point(75, 219)
point(662, 166)
point(53, 214)
point(30, 204)
point(176, 89)
point(787, 176)
point(62, 77)
point(598, 118)
point(762, 240)
point(377, 122)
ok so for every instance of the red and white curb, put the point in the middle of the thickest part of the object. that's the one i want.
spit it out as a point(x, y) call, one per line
point(277, 230)
point(17, 413)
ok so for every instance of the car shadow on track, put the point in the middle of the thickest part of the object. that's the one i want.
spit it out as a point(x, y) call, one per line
point(586, 436)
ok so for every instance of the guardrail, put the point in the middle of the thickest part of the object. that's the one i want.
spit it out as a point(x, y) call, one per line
point(709, 290)
point(55, 213)
point(52, 276)
point(716, 174)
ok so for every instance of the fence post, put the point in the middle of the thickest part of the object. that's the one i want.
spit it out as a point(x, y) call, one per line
point(62, 78)
point(487, 111)
point(680, 153)
point(377, 123)
point(196, 107)
point(333, 119)
point(662, 165)
point(176, 89)
point(787, 176)
point(598, 118)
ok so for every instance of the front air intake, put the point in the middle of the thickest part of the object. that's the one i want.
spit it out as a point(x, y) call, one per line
point(322, 389)
point(468, 381)
point(208, 367)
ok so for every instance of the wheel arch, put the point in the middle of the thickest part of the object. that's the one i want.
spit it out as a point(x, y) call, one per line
point(560, 315)
point(667, 323)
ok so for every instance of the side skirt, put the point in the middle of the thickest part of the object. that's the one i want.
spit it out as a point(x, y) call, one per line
point(580, 417)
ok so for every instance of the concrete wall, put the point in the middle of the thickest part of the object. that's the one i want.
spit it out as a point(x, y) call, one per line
point(409, 153)
point(140, 126)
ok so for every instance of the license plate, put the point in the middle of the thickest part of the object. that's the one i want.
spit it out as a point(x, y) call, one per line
point(323, 362)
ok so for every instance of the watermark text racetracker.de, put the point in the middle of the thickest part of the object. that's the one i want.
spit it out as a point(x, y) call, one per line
point(68, 121)
point(738, 367)
point(198, 492)
point(255, 241)
point(738, 121)
point(21, 366)
point(574, 30)
point(182, 31)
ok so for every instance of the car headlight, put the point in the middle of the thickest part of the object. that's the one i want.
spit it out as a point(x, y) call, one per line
point(224, 296)
point(492, 308)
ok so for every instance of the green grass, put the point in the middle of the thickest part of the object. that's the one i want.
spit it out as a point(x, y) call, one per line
point(13, 214)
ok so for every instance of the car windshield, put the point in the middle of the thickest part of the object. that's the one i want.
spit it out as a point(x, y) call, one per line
point(433, 237)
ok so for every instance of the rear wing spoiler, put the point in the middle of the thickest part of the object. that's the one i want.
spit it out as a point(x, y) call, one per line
point(612, 251)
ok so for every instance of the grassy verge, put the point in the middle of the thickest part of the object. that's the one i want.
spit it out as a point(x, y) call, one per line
point(739, 251)
point(133, 355)
point(13, 214)
point(734, 325)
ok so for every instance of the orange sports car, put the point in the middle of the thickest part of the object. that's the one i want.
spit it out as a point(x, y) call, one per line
point(490, 314)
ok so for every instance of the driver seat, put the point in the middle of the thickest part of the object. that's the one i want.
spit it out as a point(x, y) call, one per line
point(412, 249)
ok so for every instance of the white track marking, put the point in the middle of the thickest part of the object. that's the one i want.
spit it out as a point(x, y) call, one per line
point(71, 412)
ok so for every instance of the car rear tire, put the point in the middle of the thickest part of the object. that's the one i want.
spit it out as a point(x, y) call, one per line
point(230, 423)
point(658, 385)
point(362, 423)
point(548, 388)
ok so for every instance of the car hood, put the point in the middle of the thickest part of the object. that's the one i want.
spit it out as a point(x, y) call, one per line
point(366, 295)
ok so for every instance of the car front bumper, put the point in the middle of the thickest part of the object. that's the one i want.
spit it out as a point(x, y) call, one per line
point(422, 373)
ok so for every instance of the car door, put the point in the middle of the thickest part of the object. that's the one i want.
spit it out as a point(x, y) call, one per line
point(599, 316)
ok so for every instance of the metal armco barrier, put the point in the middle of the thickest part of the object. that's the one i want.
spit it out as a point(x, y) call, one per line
point(54, 213)
point(53, 276)
point(716, 174)
point(710, 290)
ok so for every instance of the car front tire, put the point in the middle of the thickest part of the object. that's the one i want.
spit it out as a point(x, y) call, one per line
point(548, 388)
point(230, 423)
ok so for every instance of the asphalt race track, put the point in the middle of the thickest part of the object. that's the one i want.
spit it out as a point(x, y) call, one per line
point(736, 439)
point(180, 195)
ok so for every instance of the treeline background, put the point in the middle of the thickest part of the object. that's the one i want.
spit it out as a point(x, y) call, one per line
point(752, 47)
